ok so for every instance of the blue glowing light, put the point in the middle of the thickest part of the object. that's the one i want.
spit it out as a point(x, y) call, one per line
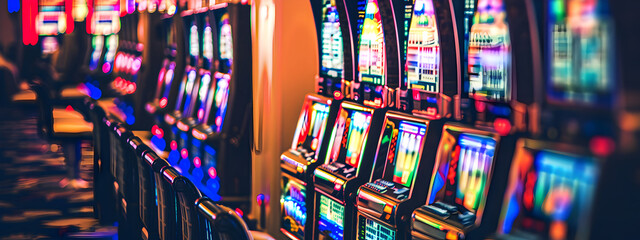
point(13, 6)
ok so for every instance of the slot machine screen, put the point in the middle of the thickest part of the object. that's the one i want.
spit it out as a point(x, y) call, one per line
point(375, 230)
point(194, 45)
point(423, 50)
point(187, 90)
point(97, 44)
point(489, 56)
point(109, 56)
point(349, 136)
point(463, 170)
point(371, 62)
point(549, 192)
point(226, 44)
point(106, 17)
point(203, 95)
point(332, 51)
point(207, 46)
point(52, 19)
point(49, 45)
point(311, 126)
point(294, 209)
point(409, 140)
point(331, 218)
point(580, 52)
point(221, 99)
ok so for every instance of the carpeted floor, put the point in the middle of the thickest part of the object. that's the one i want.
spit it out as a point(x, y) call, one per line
point(32, 203)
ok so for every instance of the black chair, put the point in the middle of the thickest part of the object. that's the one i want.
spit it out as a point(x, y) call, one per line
point(125, 170)
point(169, 216)
point(224, 223)
point(103, 187)
point(146, 188)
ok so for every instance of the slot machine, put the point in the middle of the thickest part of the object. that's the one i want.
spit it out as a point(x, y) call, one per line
point(103, 25)
point(405, 154)
point(319, 111)
point(473, 157)
point(350, 151)
point(220, 137)
point(554, 177)
point(173, 66)
point(188, 87)
point(52, 20)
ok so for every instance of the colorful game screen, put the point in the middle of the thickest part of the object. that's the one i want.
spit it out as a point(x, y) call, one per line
point(409, 140)
point(97, 44)
point(311, 126)
point(489, 56)
point(374, 230)
point(371, 60)
point(52, 19)
point(330, 218)
point(580, 52)
point(294, 209)
point(194, 45)
point(168, 79)
point(226, 44)
point(207, 46)
point(105, 17)
point(549, 194)
point(109, 56)
point(221, 100)
point(423, 48)
point(187, 89)
point(349, 136)
point(49, 45)
point(203, 95)
point(463, 170)
point(332, 51)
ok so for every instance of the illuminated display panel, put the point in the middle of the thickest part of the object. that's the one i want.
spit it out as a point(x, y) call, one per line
point(194, 44)
point(203, 95)
point(549, 193)
point(188, 89)
point(331, 218)
point(52, 18)
point(106, 17)
point(97, 44)
point(109, 56)
point(423, 50)
point(332, 51)
point(207, 46)
point(409, 139)
point(226, 45)
point(49, 45)
point(371, 59)
point(580, 52)
point(374, 231)
point(489, 53)
point(463, 171)
point(349, 136)
point(221, 100)
point(294, 209)
point(168, 78)
point(311, 126)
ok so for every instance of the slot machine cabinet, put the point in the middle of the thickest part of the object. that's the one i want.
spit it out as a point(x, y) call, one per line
point(550, 192)
point(348, 164)
point(403, 160)
point(335, 26)
point(51, 21)
point(495, 102)
point(406, 146)
point(429, 86)
point(569, 156)
point(221, 141)
point(298, 164)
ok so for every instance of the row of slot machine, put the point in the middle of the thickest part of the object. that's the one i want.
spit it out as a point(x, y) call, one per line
point(191, 103)
point(200, 103)
point(438, 119)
